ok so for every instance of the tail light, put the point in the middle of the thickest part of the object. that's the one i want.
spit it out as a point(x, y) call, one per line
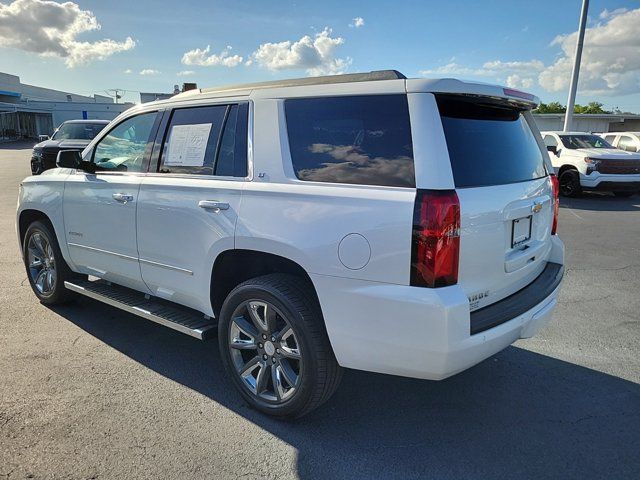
point(435, 247)
point(556, 203)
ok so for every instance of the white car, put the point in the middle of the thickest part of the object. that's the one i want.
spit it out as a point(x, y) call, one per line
point(585, 161)
point(363, 221)
point(628, 141)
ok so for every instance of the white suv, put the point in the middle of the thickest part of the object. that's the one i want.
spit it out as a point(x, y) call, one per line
point(628, 141)
point(366, 221)
point(585, 161)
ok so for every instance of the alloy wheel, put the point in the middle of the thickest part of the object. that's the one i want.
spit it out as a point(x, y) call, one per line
point(265, 351)
point(569, 184)
point(41, 263)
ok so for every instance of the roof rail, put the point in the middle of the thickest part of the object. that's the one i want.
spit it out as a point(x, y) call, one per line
point(295, 82)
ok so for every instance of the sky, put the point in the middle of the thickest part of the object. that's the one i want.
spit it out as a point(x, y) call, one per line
point(92, 46)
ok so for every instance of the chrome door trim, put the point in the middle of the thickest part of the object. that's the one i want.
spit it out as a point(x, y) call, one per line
point(164, 265)
point(94, 249)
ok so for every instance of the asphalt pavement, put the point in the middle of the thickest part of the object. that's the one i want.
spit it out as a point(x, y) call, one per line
point(87, 391)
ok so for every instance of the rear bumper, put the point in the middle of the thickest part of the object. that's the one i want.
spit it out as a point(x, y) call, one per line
point(608, 182)
point(422, 332)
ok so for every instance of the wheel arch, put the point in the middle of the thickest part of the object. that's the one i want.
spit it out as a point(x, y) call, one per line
point(566, 167)
point(27, 217)
point(235, 266)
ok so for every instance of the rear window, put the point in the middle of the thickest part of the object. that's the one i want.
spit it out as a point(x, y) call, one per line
point(360, 140)
point(489, 143)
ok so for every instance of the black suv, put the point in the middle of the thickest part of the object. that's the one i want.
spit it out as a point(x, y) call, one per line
point(71, 135)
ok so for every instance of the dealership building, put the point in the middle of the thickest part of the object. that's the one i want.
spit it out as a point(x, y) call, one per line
point(27, 111)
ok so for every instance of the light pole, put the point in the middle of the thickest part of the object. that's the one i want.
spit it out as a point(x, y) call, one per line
point(568, 118)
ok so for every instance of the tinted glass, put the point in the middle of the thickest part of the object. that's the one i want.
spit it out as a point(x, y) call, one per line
point(191, 140)
point(550, 141)
point(489, 143)
point(78, 131)
point(123, 148)
point(362, 140)
point(627, 143)
point(232, 155)
point(574, 142)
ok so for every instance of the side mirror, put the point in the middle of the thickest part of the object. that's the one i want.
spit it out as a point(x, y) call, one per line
point(73, 159)
point(553, 149)
point(69, 159)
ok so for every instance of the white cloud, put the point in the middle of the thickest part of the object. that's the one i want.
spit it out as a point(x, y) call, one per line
point(315, 55)
point(149, 71)
point(612, 13)
point(357, 22)
point(496, 69)
point(50, 28)
point(610, 59)
point(516, 81)
point(186, 73)
point(127, 71)
point(203, 58)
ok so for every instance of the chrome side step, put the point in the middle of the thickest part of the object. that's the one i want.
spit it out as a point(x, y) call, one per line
point(179, 318)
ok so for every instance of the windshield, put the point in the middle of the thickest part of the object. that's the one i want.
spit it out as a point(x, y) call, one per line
point(574, 142)
point(489, 143)
point(78, 131)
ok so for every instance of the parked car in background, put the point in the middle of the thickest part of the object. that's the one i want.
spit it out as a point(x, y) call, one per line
point(70, 135)
point(585, 161)
point(627, 141)
point(365, 221)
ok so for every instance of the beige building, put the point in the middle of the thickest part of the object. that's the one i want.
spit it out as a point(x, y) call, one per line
point(27, 111)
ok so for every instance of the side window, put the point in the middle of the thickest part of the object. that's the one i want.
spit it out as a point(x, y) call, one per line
point(550, 141)
point(123, 148)
point(359, 140)
point(610, 138)
point(232, 154)
point(627, 143)
point(191, 140)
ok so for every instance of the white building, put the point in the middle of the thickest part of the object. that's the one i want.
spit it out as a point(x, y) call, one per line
point(27, 111)
point(596, 123)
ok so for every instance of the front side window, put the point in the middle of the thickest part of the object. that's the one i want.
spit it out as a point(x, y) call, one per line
point(573, 142)
point(123, 148)
point(358, 140)
point(610, 138)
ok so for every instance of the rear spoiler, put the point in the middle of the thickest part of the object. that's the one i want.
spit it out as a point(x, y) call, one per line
point(453, 86)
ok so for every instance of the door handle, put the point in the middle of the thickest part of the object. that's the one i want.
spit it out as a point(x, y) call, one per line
point(122, 197)
point(213, 205)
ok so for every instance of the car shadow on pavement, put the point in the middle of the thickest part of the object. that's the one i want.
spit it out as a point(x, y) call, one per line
point(518, 414)
point(602, 202)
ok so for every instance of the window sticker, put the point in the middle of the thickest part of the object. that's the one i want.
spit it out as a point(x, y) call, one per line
point(187, 145)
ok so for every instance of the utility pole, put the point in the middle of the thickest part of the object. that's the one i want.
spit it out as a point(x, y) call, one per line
point(116, 93)
point(568, 118)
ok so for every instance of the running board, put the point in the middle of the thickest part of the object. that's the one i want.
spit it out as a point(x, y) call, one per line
point(170, 315)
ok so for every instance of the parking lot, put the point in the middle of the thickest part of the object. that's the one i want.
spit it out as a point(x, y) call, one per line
point(87, 391)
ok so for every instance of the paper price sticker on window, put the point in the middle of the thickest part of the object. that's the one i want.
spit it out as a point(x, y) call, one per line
point(187, 145)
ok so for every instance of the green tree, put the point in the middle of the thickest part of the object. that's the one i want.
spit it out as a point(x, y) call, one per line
point(553, 107)
point(591, 107)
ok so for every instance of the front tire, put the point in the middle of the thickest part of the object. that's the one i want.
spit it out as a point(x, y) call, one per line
point(46, 268)
point(275, 348)
point(570, 183)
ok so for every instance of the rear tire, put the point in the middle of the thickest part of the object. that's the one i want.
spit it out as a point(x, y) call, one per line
point(570, 183)
point(623, 194)
point(46, 268)
point(275, 348)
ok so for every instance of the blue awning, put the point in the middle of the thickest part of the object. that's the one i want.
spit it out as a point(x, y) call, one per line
point(10, 94)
